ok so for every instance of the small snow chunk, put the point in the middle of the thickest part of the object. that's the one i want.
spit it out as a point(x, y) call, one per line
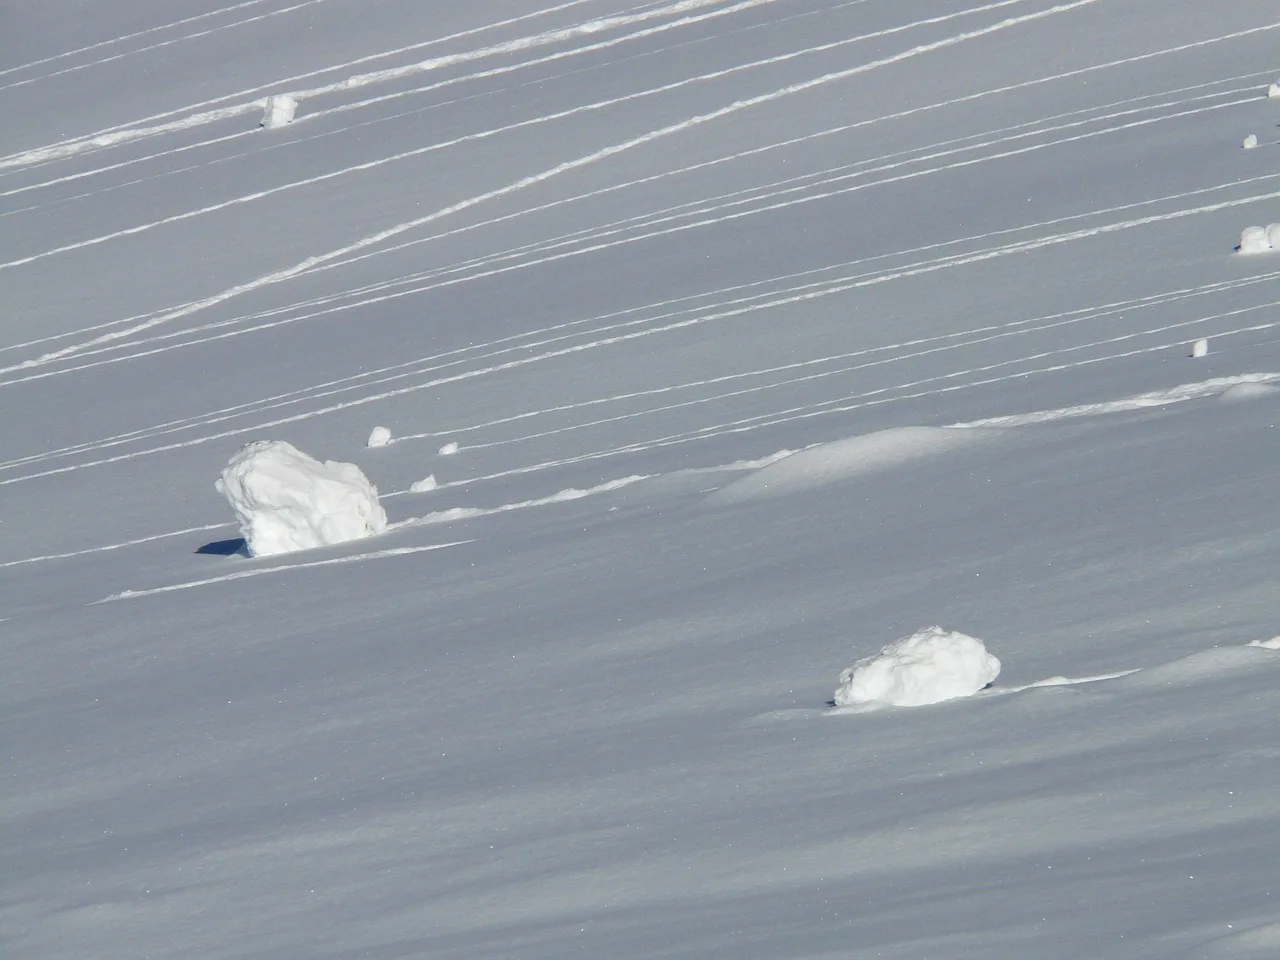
point(1273, 235)
point(1273, 91)
point(1250, 141)
point(449, 449)
point(1200, 348)
point(279, 111)
point(1272, 644)
point(284, 500)
point(423, 485)
point(929, 666)
point(379, 437)
point(1254, 240)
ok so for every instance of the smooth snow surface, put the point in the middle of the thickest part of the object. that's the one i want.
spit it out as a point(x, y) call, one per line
point(929, 666)
point(738, 337)
point(285, 501)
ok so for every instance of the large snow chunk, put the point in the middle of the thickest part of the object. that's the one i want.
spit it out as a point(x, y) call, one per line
point(279, 111)
point(929, 666)
point(284, 500)
point(1254, 240)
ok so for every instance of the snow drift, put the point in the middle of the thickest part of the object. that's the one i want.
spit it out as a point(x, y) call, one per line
point(284, 500)
point(929, 666)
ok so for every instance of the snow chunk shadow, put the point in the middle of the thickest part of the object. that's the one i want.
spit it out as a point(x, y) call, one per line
point(235, 547)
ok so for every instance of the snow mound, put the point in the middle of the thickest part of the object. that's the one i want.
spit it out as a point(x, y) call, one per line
point(929, 666)
point(284, 500)
point(842, 459)
point(1246, 391)
point(378, 437)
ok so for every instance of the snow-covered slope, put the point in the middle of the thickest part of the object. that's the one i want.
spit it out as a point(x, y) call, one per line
point(740, 339)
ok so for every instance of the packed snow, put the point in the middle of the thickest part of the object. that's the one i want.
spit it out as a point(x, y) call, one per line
point(279, 111)
point(929, 666)
point(378, 437)
point(424, 485)
point(284, 500)
point(449, 449)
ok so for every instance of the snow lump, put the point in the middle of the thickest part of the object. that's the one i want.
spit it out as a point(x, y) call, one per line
point(929, 666)
point(284, 500)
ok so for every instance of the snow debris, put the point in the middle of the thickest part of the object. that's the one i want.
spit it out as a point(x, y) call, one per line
point(423, 485)
point(1254, 240)
point(1200, 348)
point(929, 666)
point(379, 437)
point(1250, 141)
point(284, 500)
point(1273, 91)
point(1272, 644)
point(279, 111)
point(449, 449)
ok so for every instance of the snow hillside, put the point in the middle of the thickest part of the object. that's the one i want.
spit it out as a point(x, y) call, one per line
point(696, 350)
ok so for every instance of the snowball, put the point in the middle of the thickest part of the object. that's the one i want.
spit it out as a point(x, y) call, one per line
point(1254, 240)
point(378, 437)
point(423, 485)
point(1200, 348)
point(1250, 141)
point(929, 666)
point(279, 111)
point(285, 501)
point(449, 449)
point(1273, 91)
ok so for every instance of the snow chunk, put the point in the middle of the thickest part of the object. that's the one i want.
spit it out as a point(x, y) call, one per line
point(1250, 141)
point(929, 666)
point(449, 449)
point(284, 500)
point(1273, 91)
point(1254, 240)
point(423, 485)
point(279, 111)
point(1272, 644)
point(1200, 348)
point(378, 437)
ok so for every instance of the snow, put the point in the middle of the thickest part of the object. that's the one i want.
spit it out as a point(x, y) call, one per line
point(1250, 141)
point(929, 666)
point(284, 500)
point(449, 449)
point(279, 111)
point(424, 485)
point(766, 332)
point(1273, 91)
point(1255, 240)
point(378, 437)
point(1200, 348)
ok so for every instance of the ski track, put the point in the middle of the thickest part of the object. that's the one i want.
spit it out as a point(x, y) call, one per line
point(521, 184)
point(610, 329)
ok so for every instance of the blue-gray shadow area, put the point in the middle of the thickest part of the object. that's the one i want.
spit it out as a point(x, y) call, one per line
point(225, 548)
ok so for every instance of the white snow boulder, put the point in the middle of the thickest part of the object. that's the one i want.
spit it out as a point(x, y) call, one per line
point(929, 666)
point(1250, 141)
point(279, 111)
point(425, 485)
point(1273, 91)
point(1254, 240)
point(378, 437)
point(284, 500)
